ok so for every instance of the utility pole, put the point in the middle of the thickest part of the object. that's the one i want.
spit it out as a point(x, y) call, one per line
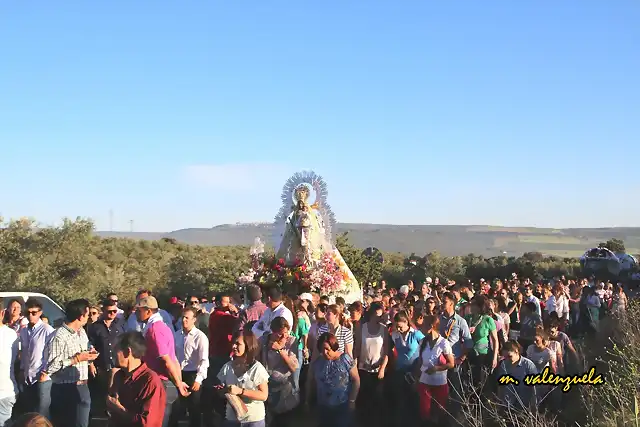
point(131, 225)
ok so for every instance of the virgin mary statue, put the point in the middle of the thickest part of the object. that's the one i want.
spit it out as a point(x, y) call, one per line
point(304, 226)
point(304, 236)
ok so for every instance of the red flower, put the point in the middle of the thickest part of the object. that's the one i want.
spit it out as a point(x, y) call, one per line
point(281, 261)
point(303, 267)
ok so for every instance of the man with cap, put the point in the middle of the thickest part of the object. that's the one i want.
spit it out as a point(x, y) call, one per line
point(160, 355)
point(134, 325)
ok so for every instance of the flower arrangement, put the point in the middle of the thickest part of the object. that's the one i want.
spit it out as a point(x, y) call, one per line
point(247, 278)
point(327, 277)
point(275, 272)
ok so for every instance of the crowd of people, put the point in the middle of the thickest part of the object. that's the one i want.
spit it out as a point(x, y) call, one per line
point(398, 357)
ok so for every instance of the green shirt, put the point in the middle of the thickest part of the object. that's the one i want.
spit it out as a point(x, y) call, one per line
point(301, 330)
point(481, 333)
point(460, 303)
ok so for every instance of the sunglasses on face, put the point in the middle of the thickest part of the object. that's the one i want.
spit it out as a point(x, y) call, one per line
point(93, 313)
point(33, 313)
point(194, 302)
point(112, 311)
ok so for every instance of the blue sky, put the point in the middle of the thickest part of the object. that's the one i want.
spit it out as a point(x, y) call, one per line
point(191, 114)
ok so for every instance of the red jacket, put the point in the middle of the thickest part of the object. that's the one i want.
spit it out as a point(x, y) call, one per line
point(222, 325)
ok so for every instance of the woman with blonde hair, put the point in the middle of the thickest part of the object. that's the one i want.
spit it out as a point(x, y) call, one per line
point(32, 419)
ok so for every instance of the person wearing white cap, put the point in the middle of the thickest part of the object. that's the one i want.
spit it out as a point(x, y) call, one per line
point(306, 297)
point(429, 280)
point(307, 303)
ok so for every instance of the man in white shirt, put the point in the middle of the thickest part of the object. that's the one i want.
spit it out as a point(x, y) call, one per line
point(34, 339)
point(530, 297)
point(8, 354)
point(192, 350)
point(275, 308)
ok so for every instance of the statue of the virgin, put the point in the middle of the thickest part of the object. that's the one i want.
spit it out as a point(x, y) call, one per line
point(304, 235)
point(304, 225)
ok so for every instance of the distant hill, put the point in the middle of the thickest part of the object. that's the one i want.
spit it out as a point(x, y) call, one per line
point(447, 239)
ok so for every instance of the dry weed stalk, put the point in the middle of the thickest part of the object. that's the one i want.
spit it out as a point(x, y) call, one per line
point(615, 403)
point(479, 411)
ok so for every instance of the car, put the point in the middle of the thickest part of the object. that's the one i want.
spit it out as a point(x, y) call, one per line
point(50, 308)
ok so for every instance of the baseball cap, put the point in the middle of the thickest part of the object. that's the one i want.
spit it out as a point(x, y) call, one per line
point(429, 280)
point(148, 302)
point(306, 296)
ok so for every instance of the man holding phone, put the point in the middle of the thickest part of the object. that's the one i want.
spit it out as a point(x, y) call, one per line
point(68, 367)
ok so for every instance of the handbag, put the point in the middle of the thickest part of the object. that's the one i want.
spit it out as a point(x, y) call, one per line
point(238, 406)
point(283, 396)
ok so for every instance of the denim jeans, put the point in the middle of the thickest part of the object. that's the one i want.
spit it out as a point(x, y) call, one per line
point(6, 408)
point(38, 398)
point(172, 395)
point(296, 374)
point(70, 405)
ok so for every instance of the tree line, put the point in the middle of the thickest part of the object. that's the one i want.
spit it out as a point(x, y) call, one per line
point(69, 261)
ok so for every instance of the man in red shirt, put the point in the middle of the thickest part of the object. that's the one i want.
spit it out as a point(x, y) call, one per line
point(137, 397)
point(223, 322)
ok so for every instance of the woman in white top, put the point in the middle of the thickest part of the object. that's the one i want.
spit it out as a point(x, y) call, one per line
point(539, 352)
point(543, 357)
point(247, 379)
point(372, 363)
point(436, 357)
point(559, 303)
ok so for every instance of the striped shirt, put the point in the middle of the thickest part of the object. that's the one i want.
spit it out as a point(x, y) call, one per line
point(343, 335)
point(66, 343)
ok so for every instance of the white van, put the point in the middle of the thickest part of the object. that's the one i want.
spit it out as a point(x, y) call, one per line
point(53, 311)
